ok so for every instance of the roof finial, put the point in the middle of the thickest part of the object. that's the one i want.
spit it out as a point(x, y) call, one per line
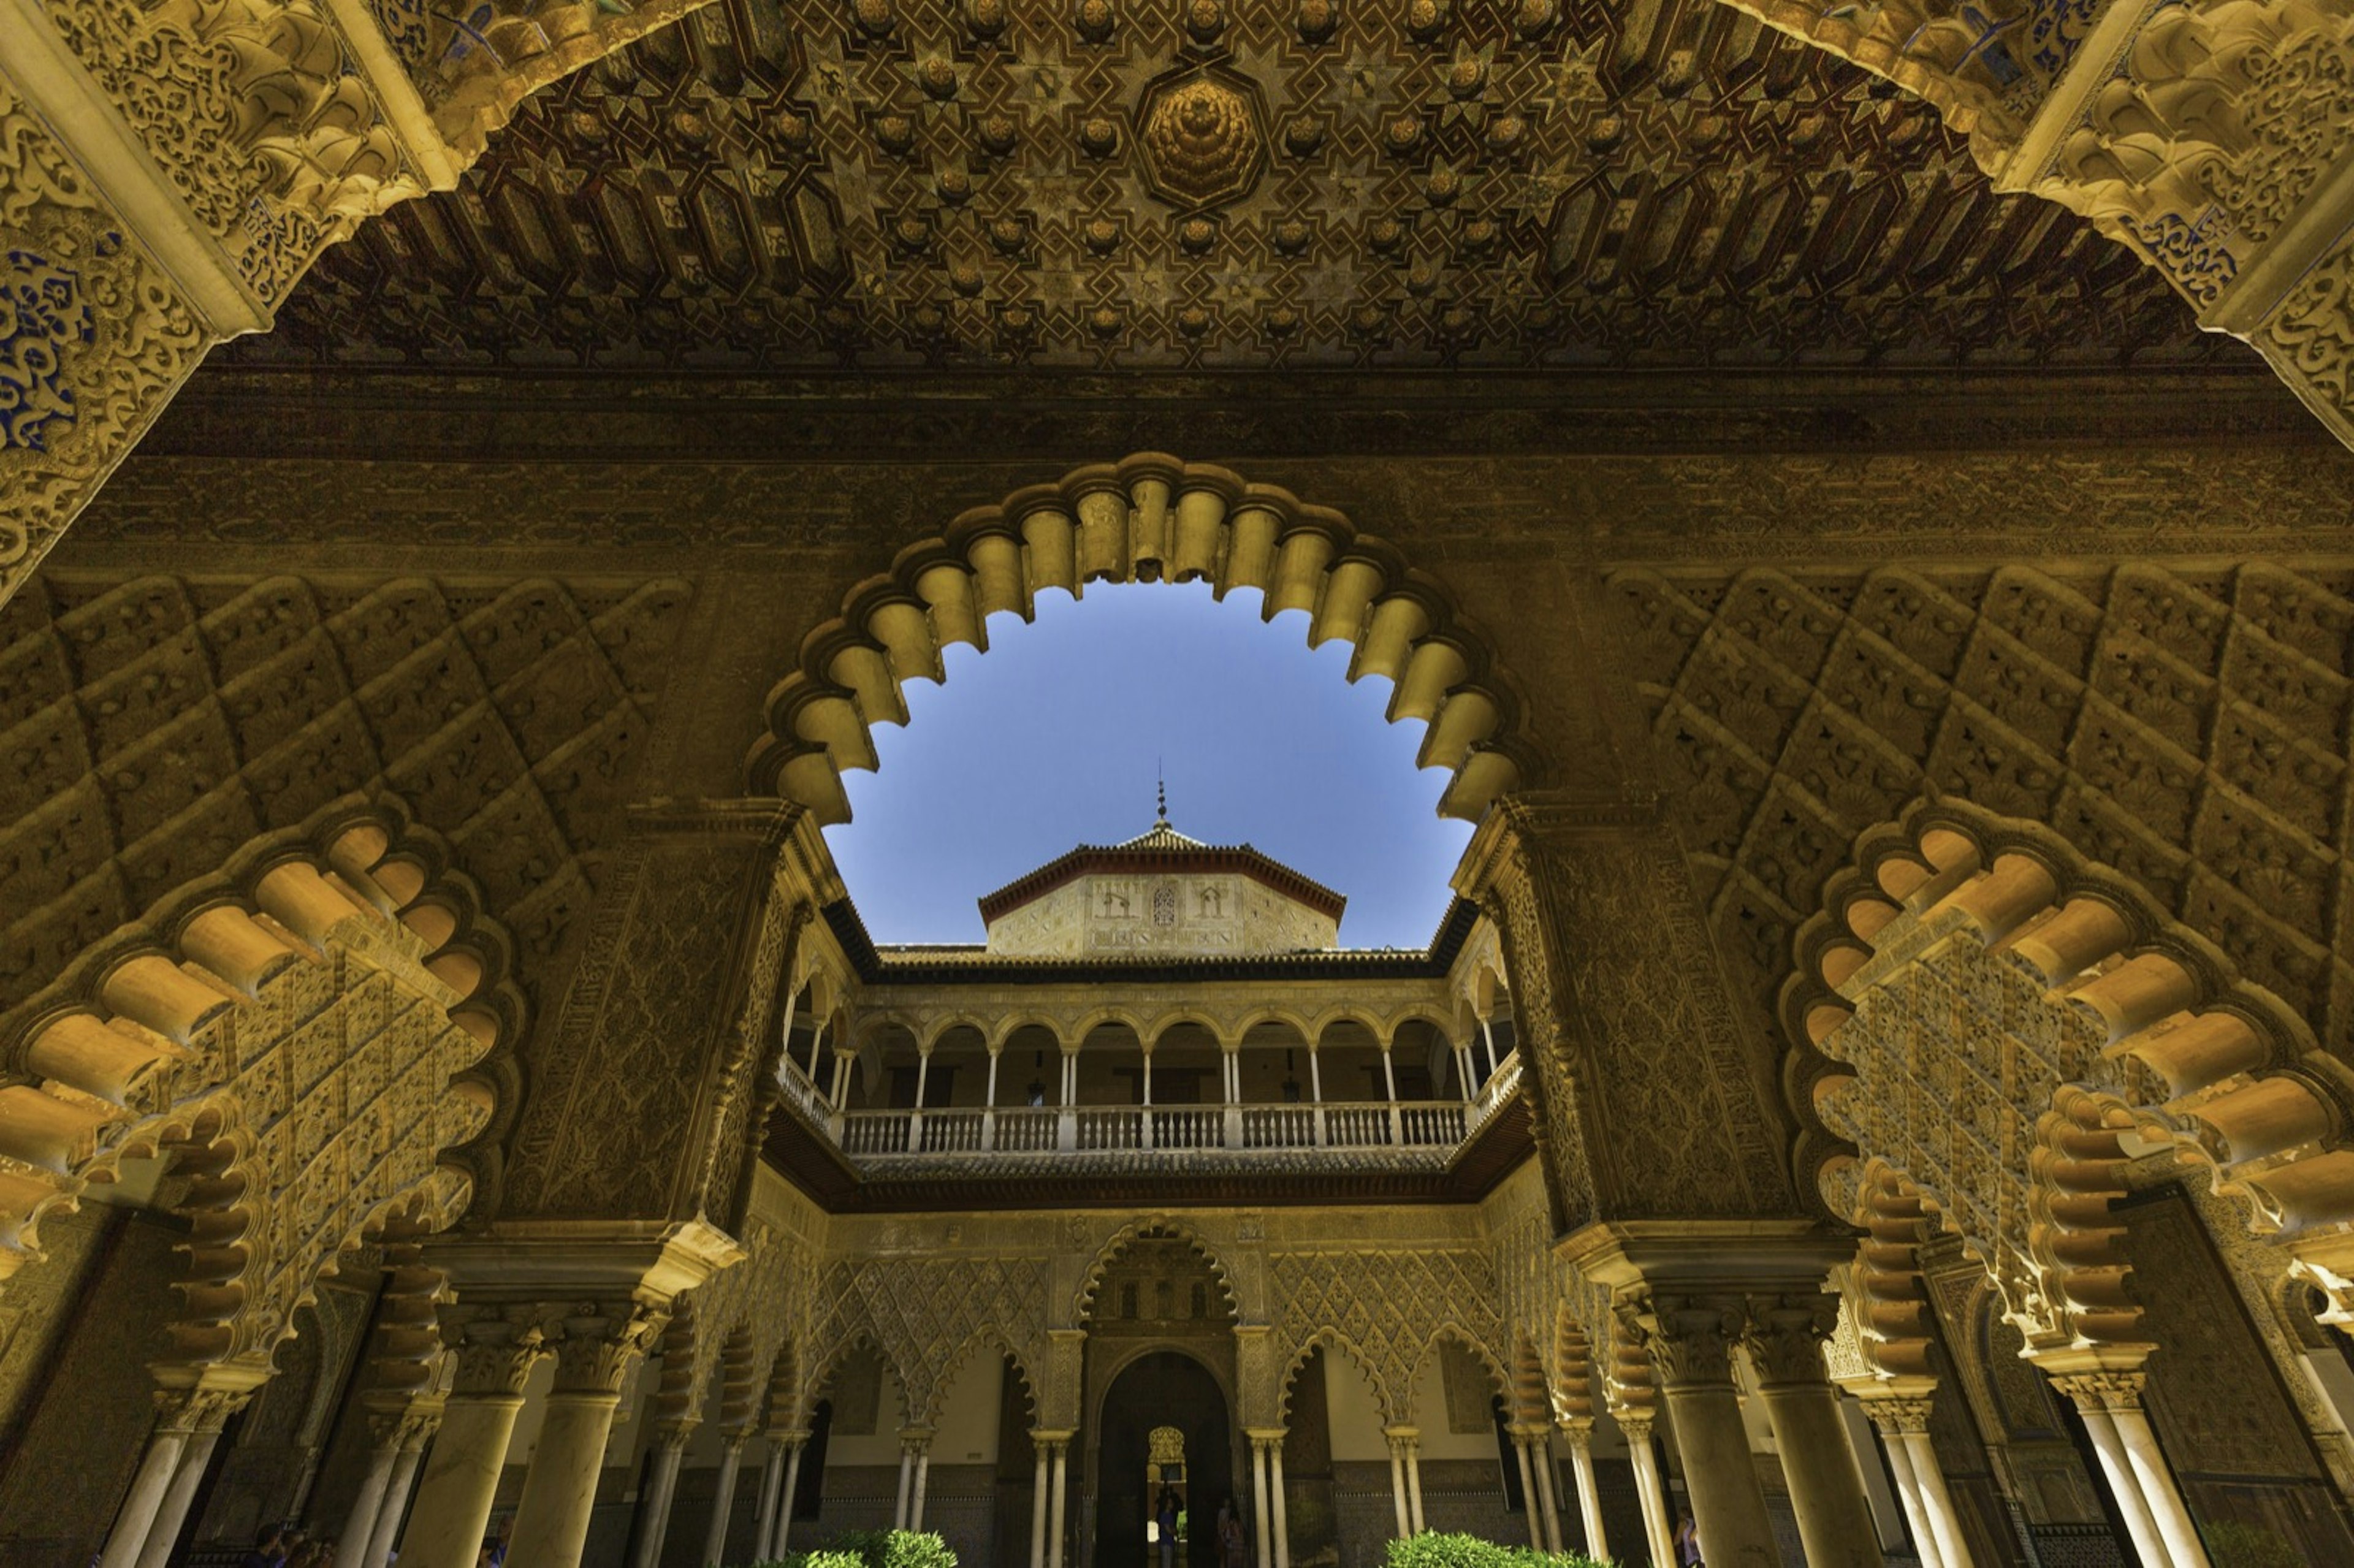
point(1162, 781)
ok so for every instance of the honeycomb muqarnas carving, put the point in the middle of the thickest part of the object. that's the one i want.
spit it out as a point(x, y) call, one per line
point(150, 728)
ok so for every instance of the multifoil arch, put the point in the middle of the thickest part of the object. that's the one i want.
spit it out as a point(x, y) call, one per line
point(1148, 518)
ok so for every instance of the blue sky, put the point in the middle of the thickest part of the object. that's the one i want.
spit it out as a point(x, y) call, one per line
point(1050, 739)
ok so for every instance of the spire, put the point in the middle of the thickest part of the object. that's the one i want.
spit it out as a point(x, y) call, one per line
point(1160, 818)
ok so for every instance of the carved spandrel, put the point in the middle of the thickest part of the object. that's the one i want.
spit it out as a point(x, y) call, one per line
point(1646, 1068)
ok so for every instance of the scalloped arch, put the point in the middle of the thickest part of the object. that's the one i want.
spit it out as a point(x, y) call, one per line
point(174, 1038)
point(1148, 518)
point(2152, 1040)
point(1147, 1227)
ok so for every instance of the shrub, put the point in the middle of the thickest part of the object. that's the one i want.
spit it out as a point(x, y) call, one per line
point(873, 1548)
point(2230, 1544)
point(1435, 1550)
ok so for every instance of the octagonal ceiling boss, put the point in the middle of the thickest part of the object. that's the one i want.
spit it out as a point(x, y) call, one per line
point(1202, 132)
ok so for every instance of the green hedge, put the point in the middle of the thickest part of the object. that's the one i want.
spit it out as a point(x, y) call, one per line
point(873, 1548)
point(1434, 1550)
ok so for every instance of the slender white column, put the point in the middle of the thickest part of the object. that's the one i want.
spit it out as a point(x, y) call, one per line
point(1398, 1487)
point(1488, 1040)
point(1282, 1507)
point(1657, 1533)
point(722, 1500)
point(661, 1486)
point(782, 1529)
point(923, 1075)
point(396, 1503)
point(1414, 1481)
point(817, 1046)
point(1054, 1522)
point(1529, 1493)
point(1548, 1488)
point(133, 1521)
point(2157, 1489)
point(1908, 1493)
point(1589, 1500)
point(907, 1485)
point(1264, 1548)
point(164, 1533)
point(2149, 1545)
point(359, 1522)
point(1389, 1076)
point(1038, 1510)
point(1148, 1079)
point(993, 1057)
point(764, 1522)
point(923, 1483)
point(1315, 1077)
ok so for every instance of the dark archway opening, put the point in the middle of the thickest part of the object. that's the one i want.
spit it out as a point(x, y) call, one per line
point(1165, 1388)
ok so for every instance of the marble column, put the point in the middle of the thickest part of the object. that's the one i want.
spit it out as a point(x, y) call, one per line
point(923, 1485)
point(396, 1500)
point(1785, 1337)
point(1690, 1338)
point(1262, 1548)
point(1651, 1488)
point(764, 1522)
point(661, 1486)
point(1548, 1486)
point(1397, 1484)
point(906, 1483)
point(204, 1411)
point(157, 1466)
point(781, 1532)
point(1579, 1432)
point(1411, 1443)
point(1038, 1507)
point(1904, 1425)
point(1054, 1513)
point(599, 1342)
point(723, 1498)
point(1282, 1507)
point(495, 1358)
point(1529, 1493)
point(2109, 1399)
point(359, 1521)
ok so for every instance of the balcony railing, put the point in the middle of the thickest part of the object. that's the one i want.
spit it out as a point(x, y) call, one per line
point(1413, 1132)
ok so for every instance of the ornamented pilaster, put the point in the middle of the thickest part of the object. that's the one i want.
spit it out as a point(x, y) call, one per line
point(1650, 1097)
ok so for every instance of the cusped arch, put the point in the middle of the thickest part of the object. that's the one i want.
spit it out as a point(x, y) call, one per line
point(1502, 1381)
point(824, 1368)
point(1332, 1340)
point(963, 1353)
point(1152, 1227)
point(1148, 518)
point(2118, 1031)
point(176, 1038)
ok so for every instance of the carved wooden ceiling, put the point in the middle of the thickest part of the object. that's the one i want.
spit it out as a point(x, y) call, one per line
point(1141, 184)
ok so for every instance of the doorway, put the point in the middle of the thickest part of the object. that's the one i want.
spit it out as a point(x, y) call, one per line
point(1170, 1398)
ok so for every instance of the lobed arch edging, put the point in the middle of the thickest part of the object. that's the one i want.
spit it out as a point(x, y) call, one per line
point(1147, 518)
point(1333, 1338)
point(1140, 1228)
point(2192, 1058)
point(116, 1058)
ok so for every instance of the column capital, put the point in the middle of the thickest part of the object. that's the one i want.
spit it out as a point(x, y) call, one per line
point(1634, 1426)
point(405, 1424)
point(1786, 1335)
point(492, 1350)
point(674, 1431)
point(1265, 1434)
point(200, 1409)
point(1689, 1338)
point(2108, 1390)
point(1578, 1429)
point(1403, 1434)
point(596, 1342)
point(1897, 1414)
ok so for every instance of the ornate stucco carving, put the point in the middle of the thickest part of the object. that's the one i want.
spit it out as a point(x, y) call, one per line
point(1147, 517)
point(2209, 139)
point(160, 723)
point(2008, 1026)
point(1612, 963)
point(299, 1038)
point(264, 132)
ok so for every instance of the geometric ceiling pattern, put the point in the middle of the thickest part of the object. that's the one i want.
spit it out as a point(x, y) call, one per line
point(1123, 185)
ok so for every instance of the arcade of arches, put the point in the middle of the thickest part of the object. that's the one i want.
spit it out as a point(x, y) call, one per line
point(1884, 1088)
